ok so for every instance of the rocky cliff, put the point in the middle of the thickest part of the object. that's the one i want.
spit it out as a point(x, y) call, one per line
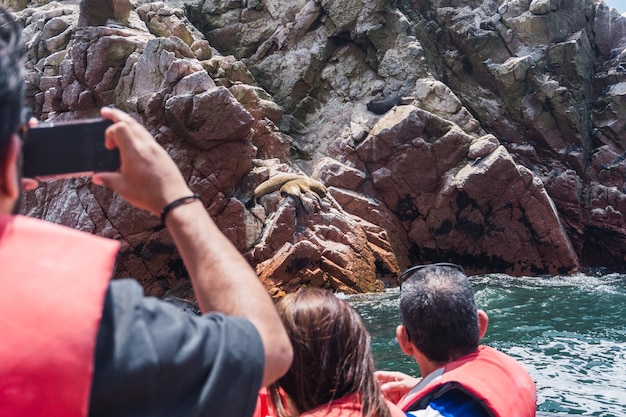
point(337, 142)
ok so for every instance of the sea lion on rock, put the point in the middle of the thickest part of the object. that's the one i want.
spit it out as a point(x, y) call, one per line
point(297, 187)
point(294, 185)
point(384, 105)
point(274, 183)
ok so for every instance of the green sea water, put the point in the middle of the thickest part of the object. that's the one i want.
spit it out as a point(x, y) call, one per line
point(568, 332)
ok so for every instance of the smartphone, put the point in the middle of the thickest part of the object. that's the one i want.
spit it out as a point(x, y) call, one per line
point(68, 149)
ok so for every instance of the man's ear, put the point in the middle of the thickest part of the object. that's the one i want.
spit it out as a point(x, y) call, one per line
point(483, 323)
point(404, 341)
point(9, 176)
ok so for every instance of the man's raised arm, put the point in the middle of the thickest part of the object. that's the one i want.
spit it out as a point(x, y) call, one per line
point(222, 279)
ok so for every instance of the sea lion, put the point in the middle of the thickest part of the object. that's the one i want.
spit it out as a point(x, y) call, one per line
point(292, 185)
point(297, 187)
point(274, 183)
point(300, 189)
point(384, 105)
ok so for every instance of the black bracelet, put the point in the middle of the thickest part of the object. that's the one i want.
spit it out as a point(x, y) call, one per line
point(178, 202)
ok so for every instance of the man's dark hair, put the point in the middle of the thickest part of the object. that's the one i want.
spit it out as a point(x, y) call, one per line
point(12, 56)
point(438, 309)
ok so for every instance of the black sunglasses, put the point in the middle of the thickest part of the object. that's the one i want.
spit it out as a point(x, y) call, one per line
point(418, 267)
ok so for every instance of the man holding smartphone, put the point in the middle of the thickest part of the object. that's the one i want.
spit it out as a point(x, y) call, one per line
point(75, 344)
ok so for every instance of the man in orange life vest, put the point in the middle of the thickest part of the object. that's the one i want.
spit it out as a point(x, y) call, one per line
point(441, 328)
point(74, 344)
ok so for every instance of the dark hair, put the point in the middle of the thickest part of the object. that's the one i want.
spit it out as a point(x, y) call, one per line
point(438, 309)
point(12, 56)
point(332, 357)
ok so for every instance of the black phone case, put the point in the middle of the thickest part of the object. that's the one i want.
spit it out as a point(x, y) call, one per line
point(67, 149)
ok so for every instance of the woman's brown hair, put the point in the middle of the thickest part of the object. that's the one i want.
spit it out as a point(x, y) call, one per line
point(332, 357)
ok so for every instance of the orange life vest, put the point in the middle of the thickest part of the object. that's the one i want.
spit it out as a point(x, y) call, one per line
point(498, 381)
point(54, 280)
point(348, 406)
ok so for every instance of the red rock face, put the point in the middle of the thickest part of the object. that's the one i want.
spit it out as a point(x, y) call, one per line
point(210, 134)
point(424, 182)
point(478, 210)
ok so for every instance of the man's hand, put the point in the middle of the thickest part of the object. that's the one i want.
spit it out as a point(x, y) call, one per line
point(394, 385)
point(148, 177)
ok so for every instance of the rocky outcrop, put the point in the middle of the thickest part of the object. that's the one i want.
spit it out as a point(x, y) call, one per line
point(505, 153)
point(543, 77)
point(458, 197)
point(199, 105)
point(307, 238)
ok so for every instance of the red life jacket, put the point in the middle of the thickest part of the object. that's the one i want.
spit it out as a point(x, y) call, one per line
point(264, 406)
point(53, 282)
point(498, 381)
point(347, 406)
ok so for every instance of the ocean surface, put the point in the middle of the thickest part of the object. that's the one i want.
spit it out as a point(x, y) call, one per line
point(568, 331)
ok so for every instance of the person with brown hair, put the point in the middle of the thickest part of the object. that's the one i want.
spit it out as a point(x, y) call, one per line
point(332, 373)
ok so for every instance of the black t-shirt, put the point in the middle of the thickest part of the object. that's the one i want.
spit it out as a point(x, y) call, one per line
point(153, 360)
